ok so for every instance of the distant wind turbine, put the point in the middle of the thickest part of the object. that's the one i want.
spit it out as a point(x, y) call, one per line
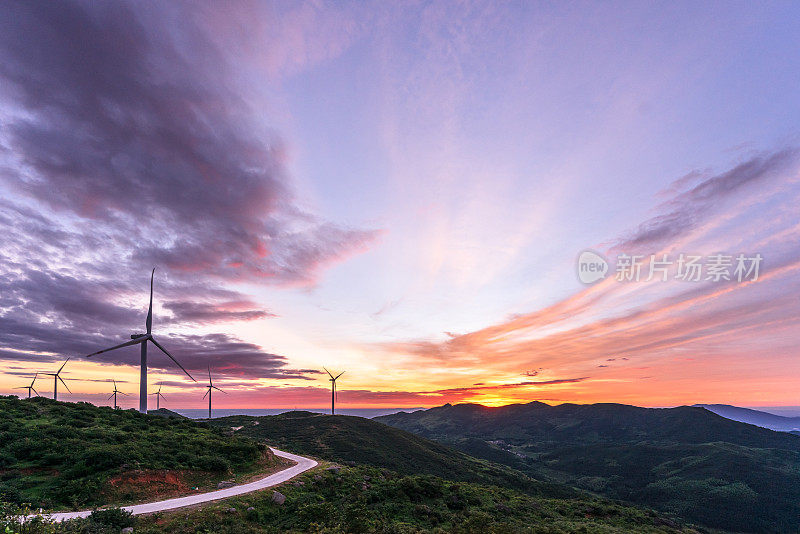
point(115, 394)
point(56, 377)
point(333, 389)
point(210, 386)
point(30, 388)
point(143, 339)
point(159, 396)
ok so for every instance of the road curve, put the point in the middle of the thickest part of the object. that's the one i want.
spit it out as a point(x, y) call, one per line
point(303, 464)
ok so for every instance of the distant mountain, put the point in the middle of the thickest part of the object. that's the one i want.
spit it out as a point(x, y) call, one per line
point(685, 460)
point(754, 417)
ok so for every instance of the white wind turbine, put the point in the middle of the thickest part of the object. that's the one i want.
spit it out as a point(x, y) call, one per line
point(159, 396)
point(30, 388)
point(115, 394)
point(333, 389)
point(210, 386)
point(56, 377)
point(143, 339)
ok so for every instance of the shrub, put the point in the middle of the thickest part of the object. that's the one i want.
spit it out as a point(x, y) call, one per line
point(212, 463)
point(113, 517)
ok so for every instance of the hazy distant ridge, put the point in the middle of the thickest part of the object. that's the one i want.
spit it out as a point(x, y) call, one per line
point(754, 417)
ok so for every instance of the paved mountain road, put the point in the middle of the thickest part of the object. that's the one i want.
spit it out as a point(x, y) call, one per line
point(303, 464)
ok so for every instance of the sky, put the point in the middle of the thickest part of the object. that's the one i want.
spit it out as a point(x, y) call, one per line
point(401, 191)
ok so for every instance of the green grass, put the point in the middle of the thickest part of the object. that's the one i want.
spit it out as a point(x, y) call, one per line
point(367, 499)
point(57, 454)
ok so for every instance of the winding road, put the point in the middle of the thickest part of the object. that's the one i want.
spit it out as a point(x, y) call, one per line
point(303, 464)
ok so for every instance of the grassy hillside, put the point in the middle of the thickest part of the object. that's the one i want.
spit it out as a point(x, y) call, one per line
point(347, 439)
point(364, 499)
point(58, 454)
point(684, 460)
point(367, 499)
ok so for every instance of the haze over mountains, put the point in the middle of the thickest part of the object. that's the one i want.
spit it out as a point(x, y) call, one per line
point(686, 460)
point(754, 417)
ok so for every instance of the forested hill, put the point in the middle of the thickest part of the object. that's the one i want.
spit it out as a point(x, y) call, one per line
point(685, 460)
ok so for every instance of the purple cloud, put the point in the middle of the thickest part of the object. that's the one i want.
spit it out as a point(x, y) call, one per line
point(685, 210)
point(126, 143)
point(132, 123)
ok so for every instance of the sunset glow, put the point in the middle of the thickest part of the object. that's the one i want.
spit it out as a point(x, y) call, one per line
point(400, 190)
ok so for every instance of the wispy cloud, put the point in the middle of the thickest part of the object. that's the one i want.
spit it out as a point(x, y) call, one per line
point(723, 326)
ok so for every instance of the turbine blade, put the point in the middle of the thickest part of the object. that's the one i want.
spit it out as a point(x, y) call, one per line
point(209, 374)
point(207, 392)
point(215, 387)
point(65, 384)
point(149, 321)
point(340, 374)
point(110, 396)
point(329, 373)
point(160, 395)
point(34, 378)
point(37, 393)
point(170, 356)
point(121, 393)
point(115, 347)
point(65, 363)
point(21, 387)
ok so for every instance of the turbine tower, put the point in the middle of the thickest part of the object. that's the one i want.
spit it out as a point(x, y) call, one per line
point(210, 386)
point(333, 390)
point(56, 377)
point(159, 396)
point(142, 339)
point(30, 388)
point(115, 394)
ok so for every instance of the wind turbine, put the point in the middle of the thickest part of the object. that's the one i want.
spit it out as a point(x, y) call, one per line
point(29, 388)
point(333, 389)
point(159, 396)
point(56, 377)
point(143, 339)
point(210, 386)
point(115, 394)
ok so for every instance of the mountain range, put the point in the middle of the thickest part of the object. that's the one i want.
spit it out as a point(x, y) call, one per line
point(686, 460)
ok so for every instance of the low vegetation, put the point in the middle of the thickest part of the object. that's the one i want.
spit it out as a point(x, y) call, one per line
point(57, 455)
point(368, 499)
point(356, 440)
